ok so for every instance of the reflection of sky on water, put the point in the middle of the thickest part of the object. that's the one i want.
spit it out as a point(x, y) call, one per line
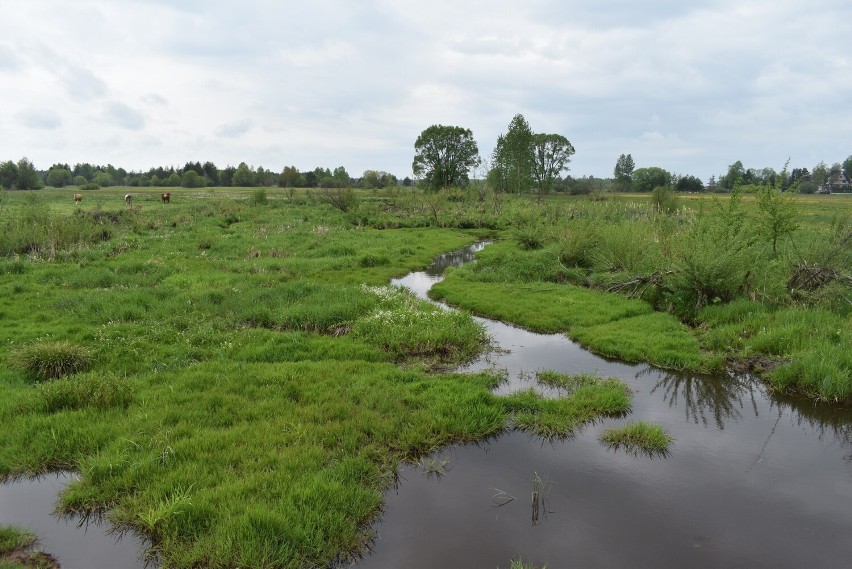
point(29, 504)
point(752, 480)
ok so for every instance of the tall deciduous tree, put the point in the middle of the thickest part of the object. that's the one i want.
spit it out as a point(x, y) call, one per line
point(646, 179)
point(623, 171)
point(289, 177)
point(551, 154)
point(444, 155)
point(736, 175)
point(8, 175)
point(243, 176)
point(513, 158)
point(819, 173)
point(28, 177)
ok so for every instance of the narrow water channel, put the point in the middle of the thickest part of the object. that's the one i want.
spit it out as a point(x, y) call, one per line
point(753, 480)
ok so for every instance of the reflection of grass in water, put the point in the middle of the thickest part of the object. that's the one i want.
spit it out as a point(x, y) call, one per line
point(639, 437)
point(521, 564)
point(434, 466)
point(538, 498)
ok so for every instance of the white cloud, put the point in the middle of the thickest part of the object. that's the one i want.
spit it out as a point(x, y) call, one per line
point(691, 87)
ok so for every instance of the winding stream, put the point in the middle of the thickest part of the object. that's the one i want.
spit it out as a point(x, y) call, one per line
point(753, 480)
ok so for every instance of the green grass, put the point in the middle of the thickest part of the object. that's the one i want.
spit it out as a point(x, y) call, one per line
point(45, 360)
point(13, 537)
point(250, 382)
point(639, 437)
point(16, 550)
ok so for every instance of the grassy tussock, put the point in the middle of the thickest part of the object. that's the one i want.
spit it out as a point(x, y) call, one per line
point(559, 418)
point(13, 537)
point(46, 360)
point(407, 327)
point(639, 437)
point(16, 550)
point(86, 390)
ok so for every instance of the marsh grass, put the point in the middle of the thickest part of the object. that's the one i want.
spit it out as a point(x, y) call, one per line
point(407, 327)
point(248, 408)
point(560, 418)
point(46, 360)
point(566, 381)
point(14, 537)
point(101, 391)
point(639, 438)
point(16, 550)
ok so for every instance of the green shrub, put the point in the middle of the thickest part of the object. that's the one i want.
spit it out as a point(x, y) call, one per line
point(49, 360)
point(258, 197)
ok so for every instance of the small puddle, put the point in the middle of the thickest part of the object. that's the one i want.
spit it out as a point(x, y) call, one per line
point(29, 504)
point(753, 480)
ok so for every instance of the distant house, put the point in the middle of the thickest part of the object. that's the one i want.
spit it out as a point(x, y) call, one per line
point(838, 183)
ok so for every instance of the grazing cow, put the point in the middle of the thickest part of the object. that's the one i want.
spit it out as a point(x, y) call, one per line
point(128, 199)
point(78, 198)
point(166, 197)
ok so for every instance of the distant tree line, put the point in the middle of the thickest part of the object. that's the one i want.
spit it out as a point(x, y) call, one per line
point(522, 162)
point(23, 175)
point(805, 181)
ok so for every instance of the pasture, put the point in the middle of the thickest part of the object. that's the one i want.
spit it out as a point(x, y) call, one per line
point(231, 377)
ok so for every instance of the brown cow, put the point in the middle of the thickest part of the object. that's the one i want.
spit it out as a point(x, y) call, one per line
point(128, 199)
point(166, 197)
point(78, 198)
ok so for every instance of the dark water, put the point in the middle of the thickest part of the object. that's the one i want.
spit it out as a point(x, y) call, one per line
point(752, 480)
point(30, 503)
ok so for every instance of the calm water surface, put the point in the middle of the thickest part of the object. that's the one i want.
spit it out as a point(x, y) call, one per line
point(752, 480)
point(30, 503)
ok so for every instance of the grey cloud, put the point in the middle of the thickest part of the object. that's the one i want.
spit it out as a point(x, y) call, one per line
point(154, 99)
point(82, 84)
point(40, 119)
point(123, 116)
point(235, 128)
point(614, 13)
point(9, 61)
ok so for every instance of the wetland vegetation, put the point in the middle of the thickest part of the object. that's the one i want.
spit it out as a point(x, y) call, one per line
point(233, 378)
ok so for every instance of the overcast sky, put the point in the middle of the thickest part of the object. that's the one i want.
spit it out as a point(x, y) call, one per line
point(690, 86)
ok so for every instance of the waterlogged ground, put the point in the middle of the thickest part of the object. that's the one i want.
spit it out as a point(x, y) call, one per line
point(751, 480)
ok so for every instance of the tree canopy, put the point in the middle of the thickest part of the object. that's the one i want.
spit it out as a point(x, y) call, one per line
point(551, 154)
point(646, 179)
point(444, 155)
point(623, 171)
